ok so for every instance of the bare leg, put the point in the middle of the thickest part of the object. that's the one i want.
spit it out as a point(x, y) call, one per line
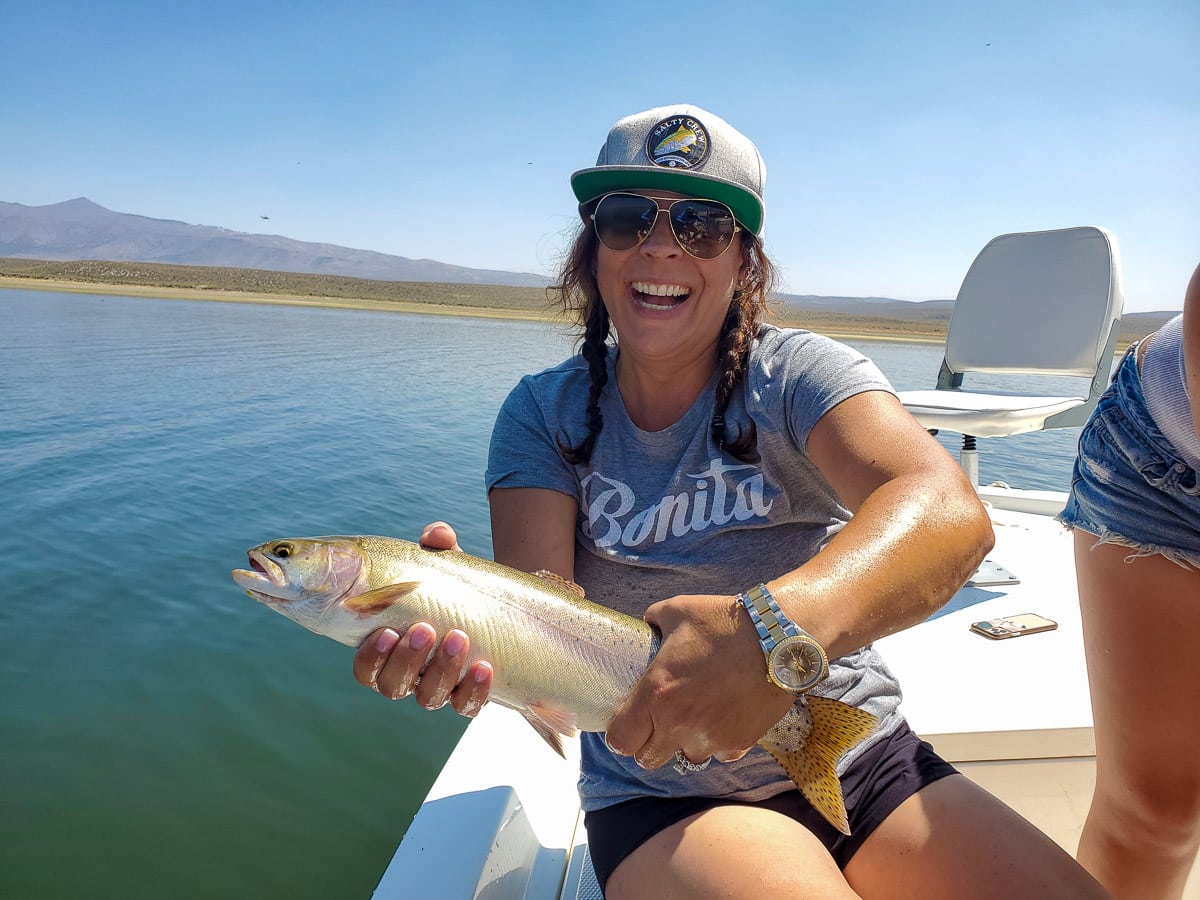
point(1141, 623)
point(953, 839)
point(730, 852)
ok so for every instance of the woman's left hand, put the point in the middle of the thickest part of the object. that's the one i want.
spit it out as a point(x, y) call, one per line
point(706, 692)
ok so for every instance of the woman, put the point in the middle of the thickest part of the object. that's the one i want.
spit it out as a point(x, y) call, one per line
point(1135, 508)
point(691, 472)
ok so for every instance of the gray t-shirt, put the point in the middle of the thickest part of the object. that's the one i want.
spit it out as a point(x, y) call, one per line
point(666, 513)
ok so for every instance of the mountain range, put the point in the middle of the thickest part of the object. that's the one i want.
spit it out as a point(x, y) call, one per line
point(80, 229)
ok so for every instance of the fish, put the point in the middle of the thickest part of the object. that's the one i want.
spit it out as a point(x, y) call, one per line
point(564, 663)
point(679, 141)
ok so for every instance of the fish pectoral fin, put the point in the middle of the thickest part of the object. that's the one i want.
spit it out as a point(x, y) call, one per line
point(551, 724)
point(837, 727)
point(378, 600)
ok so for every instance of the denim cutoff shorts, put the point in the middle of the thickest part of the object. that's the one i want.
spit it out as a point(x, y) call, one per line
point(1129, 486)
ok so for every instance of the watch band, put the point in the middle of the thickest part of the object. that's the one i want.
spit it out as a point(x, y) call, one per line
point(769, 621)
point(795, 659)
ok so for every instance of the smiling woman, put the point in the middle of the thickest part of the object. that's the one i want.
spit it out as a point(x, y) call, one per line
point(621, 222)
point(760, 497)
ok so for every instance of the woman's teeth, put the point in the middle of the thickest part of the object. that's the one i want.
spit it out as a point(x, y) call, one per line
point(673, 293)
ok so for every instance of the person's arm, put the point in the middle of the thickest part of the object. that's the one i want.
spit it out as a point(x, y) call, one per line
point(1191, 345)
point(917, 533)
point(533, 529)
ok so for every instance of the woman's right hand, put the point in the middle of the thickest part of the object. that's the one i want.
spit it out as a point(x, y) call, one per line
point(415, 662)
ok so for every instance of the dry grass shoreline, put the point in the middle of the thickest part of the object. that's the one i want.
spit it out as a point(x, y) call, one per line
point(853, 328)
point(233, 285)
point(262, 286)
point(221, 295)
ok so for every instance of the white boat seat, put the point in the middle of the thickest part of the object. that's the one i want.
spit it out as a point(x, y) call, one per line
point(986, 415)
point(1045, 303)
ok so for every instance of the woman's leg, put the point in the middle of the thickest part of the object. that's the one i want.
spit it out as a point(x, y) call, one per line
point(730, 852)
point(1141, 624)
point(952, 839)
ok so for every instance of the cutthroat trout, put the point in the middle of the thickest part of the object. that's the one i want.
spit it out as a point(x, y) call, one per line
point(562, 662)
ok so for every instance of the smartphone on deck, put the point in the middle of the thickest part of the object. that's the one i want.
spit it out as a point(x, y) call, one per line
point(1013, 626)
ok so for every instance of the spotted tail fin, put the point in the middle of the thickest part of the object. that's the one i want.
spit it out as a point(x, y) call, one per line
point(836, 728)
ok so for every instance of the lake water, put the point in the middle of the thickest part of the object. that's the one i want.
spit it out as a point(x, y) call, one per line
point(164, 735)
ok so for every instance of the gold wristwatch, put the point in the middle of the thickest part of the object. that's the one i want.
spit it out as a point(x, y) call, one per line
point(796, 661)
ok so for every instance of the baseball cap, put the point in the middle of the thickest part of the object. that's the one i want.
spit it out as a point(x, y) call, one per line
point(684, 149)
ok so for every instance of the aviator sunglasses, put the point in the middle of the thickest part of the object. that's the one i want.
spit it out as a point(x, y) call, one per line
point(703, 228)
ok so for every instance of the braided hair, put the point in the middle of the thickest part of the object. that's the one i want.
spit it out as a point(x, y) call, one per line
point(578, 296)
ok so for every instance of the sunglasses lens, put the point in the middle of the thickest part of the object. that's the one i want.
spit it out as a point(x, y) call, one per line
point(624, 220)
point(704, 228)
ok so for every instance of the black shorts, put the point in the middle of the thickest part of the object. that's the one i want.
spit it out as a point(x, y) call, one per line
point(886, 775)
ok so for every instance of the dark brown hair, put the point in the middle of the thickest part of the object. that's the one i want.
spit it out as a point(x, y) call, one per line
point(578, 295)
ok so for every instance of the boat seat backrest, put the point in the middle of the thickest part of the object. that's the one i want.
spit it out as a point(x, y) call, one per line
point(1036, 303)
point(1039, 303)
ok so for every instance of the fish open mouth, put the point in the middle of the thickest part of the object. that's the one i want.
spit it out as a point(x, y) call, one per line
point(263, 575)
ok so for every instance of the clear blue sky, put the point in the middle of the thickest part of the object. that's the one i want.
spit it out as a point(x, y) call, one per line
point(899, 137)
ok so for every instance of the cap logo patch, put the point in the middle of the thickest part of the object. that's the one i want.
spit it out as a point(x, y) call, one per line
point(677, 142)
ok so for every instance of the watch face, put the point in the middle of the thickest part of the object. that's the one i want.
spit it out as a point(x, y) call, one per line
point(797, 664)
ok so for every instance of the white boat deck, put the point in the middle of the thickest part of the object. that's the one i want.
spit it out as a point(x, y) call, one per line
point(1023, 697)
point(1015, 714)
point(502, 820)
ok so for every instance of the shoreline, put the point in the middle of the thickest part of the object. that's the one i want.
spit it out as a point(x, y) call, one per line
point(154, 292)
point(892, 331)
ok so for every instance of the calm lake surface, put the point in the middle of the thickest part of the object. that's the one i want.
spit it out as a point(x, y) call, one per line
point(163, 734)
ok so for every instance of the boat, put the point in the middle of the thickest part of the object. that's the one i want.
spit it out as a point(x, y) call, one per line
point(502, 820)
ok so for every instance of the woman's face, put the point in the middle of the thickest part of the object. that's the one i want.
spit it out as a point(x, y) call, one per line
point(662, 301)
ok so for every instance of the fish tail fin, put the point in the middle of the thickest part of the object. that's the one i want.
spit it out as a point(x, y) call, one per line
point(837, 727)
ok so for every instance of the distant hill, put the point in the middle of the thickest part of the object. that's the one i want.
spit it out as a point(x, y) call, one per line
point(80, 229)
point(879, 307)
point(928, 317)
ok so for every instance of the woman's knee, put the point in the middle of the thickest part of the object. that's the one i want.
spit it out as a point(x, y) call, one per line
point(1152, 807)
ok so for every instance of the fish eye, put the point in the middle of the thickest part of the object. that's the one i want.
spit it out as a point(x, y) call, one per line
point(283, 550)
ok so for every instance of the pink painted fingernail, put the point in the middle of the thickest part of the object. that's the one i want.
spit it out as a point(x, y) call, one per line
point(428, 529)
point(386, 641)
point(454, 643)
point(421, 638)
